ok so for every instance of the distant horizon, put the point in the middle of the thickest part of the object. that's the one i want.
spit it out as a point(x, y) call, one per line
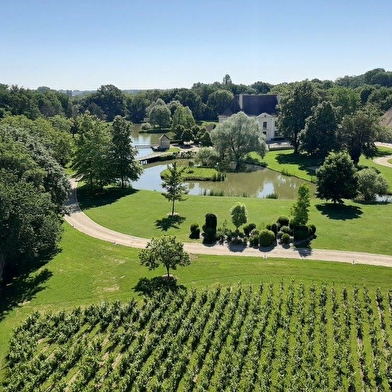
point(145, 45)
point(171, 88)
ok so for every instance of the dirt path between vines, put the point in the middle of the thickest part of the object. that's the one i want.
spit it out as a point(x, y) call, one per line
point(83, 223)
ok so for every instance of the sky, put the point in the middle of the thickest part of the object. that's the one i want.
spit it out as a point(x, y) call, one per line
point(146, 44)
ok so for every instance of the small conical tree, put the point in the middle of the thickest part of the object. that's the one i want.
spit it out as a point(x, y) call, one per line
point(174, 185)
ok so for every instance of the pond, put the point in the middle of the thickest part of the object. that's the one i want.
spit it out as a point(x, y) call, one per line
point(259, 182)
point(143, 140)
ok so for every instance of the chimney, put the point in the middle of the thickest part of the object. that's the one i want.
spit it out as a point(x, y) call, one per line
point(241, 101)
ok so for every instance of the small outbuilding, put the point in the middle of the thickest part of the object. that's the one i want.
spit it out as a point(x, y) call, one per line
point(164, 142)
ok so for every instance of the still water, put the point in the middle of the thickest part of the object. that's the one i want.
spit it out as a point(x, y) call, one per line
point(257, 183)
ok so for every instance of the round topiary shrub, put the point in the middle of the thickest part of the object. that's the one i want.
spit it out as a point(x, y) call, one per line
point(283, 221)
point(266, 237)
point(301, 233)
point(285, 238)
point(248, 228)
point(195, 231)
point(286, 229)
point(254, 240)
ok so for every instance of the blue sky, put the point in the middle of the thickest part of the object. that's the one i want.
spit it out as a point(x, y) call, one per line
point(140, 44)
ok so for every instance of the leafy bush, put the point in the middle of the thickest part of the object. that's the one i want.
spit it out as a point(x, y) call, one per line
point(286, 229)
point(254, 240)
point(195, 231)
point(285, 238)
point(302, 233)
point(248, 228)
point(266, 237)
point(283, 221)
point(273, 227)
point(312, 228)
point(222, 232)
point(146, 126)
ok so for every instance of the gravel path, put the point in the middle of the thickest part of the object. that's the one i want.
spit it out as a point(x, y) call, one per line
point(83, 223)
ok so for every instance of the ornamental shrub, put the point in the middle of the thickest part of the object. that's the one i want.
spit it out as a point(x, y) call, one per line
point(285, 238)
point(209, 236)
point(283, 221)
point(248, 228)
point(286, 229)
point(146, 126)
point(254, 240)
point(301, 233)
point(312, 228)
point(266, 237)
point(209, 228)
point(195, 231)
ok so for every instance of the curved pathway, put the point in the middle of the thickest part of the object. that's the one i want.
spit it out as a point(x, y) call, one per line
point(384, 160)
point(83, 223)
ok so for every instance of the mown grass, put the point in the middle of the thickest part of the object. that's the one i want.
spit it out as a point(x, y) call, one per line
point(288, 163)
point(352, 226)
point(90, 271)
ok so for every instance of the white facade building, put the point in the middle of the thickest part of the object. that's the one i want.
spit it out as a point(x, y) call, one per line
point(262, 107)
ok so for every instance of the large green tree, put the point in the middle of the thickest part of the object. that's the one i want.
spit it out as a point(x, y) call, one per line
point(111, 100)
point(159, 114)
point(371, 184)
point(166, 251)
point(182, 119)
point(136, 106)
point(123, 162)
point(320, 134)
point(336, 178)
point(238, 136)
point(174, 185)
point(93, 149)
point(294, 108)
point(30, 216)
point(219, 100)
point(359, 132)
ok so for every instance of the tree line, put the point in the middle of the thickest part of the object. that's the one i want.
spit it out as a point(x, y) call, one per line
point(206, 101)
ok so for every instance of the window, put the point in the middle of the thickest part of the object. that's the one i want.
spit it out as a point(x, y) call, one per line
point(264, 124)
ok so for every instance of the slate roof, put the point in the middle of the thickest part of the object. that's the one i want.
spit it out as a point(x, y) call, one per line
point(252, 105)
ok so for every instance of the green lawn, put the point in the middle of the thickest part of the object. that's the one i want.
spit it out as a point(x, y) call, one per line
point(89, 271)
point(194, 173)
point(352, 226)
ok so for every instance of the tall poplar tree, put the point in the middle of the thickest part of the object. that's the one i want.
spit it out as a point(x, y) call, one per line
point(124, 164)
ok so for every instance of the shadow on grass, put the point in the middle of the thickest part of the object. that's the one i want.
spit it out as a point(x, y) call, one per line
point(169, 222)
point(21, 290)
point(339, 211)
point(304, 162)
point(91, 198)
point(159, 284)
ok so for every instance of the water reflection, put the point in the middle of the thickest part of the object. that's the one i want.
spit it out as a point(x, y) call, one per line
point(257, 183)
